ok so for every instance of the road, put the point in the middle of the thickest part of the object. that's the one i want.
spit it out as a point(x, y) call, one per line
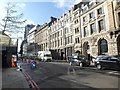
point(62, 75)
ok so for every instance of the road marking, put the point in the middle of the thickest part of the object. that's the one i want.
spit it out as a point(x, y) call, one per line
point(114, 72)
point(73, 81)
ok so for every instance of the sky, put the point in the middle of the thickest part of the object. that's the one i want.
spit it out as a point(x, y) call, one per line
point(38, 11)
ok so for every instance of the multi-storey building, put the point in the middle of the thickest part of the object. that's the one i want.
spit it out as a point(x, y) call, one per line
point(31, 41)
point(28, 27)
point(90, 28)
point(61, 35)
point(77, 26)
point(41, 37)
point(24, 44)
point(97, 21)
point(94, 28)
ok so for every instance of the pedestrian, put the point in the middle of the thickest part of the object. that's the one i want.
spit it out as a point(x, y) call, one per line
point(12, 61)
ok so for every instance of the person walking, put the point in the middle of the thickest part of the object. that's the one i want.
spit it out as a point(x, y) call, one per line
point(12, 61)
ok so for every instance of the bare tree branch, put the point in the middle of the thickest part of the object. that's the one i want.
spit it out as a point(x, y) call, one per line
point(12, 22)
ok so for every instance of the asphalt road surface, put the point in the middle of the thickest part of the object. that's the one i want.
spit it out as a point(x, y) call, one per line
point(62, 75)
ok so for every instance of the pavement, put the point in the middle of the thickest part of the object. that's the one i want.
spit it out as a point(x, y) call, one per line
point(12, 78)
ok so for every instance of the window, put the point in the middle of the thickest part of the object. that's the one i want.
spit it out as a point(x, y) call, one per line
point(92, 15)
point(85, 8)
point(65, 40)
point(105, 58)
point(65, 30)
point(85, 31)
point(71, 28)
point(119, 16)
point(71, 39)
point(55, 43)
point(61, 32)
point(75, 15)
point(61, 41)
point(76, 21)
point(46, 45)
point(58, 34)
point(55, 35)
point(58, 42)
point(85, 19)
point(103, 46)
point(91, 4)
point(101, 25)
point(77, 40)
point(92, 27)
point(70, 19)
point(100, 11)
point(77, 30)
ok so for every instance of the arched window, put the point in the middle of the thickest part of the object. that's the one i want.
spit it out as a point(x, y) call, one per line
point(103, 46)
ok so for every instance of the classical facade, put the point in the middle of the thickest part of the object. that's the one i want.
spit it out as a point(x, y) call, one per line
point(89, 28)
point(61, 35)
point(41, 37)
point(98, 20)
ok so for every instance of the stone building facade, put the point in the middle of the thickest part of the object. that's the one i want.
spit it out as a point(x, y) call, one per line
point(41, 37)
point(61, 36)
point(89, 28)
point(98, 20)
point(94, 29)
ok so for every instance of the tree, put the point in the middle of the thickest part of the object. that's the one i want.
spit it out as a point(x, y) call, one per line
point(12, 22)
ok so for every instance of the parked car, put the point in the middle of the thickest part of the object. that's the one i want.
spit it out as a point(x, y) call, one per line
point(106, 61)
point(78, 60)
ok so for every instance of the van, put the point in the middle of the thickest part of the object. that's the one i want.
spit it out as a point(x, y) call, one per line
point(44, 56)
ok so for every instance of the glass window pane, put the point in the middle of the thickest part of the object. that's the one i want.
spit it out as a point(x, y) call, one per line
point(103, 46)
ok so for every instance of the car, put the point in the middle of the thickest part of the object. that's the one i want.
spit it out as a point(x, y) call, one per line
point(78, 60)
point(106, 61)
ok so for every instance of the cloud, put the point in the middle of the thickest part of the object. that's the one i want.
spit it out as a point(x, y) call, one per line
point(64, 4)
point(67, 4)
point(2, 10)
point(29, 22)
point(21, 5)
